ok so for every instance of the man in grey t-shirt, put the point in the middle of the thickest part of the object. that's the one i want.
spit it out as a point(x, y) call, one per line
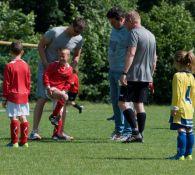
point(55, 38)
point(137, 73)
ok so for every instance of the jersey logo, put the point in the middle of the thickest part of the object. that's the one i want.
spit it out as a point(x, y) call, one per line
point(187, 96)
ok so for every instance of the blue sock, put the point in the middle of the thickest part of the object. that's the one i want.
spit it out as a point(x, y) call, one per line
point(189, 143)
point(181, 140)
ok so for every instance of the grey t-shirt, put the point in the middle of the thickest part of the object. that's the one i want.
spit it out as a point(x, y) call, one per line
point(60, 39)
point(142, 66)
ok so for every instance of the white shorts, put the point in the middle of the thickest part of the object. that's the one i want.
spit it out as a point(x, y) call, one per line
point(14, 110)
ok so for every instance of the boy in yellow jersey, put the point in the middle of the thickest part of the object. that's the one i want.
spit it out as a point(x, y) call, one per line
point(183, 103)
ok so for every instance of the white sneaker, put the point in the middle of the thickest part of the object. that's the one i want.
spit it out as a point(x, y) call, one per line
point(116, 137)
point(124, 138)
point(34, 136)
point(62, 136)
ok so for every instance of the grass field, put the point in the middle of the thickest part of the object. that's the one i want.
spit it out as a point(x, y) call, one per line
point(92, 152)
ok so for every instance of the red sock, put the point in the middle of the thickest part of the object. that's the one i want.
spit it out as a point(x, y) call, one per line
point(57, 129)
point(59, 105)
point(14, 127)
point(24, 132)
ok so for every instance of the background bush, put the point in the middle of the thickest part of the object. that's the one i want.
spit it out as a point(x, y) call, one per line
point(174, 29)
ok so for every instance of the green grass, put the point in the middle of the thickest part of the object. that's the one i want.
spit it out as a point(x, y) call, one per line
point(92, 152)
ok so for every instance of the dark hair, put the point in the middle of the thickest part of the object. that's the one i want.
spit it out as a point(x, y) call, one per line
point(16, 47)
point(79, 23)
point(116, 13)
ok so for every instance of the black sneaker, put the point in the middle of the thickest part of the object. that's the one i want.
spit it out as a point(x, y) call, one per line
point(110, 118)
point(80, 109)
point(134, 138)
point(54, 119)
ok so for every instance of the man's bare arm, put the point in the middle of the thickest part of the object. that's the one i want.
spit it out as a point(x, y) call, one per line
point(41, 48)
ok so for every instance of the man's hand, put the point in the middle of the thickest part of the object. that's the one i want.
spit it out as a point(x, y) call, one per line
point(4, 103)
point(151, 87)
point(123, 80)
point(74, 63)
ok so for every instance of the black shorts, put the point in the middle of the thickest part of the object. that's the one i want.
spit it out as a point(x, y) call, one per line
point(136, 92)
point(72, 96)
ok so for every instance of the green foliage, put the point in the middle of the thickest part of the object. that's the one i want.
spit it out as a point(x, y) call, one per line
point(47, 12)
point(174, 29)
point(16, 25)
point(94, 64)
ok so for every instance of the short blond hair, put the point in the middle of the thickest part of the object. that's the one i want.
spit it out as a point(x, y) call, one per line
point(133, 16)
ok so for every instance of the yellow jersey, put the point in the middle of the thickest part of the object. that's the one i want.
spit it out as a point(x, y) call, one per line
point(183, 98)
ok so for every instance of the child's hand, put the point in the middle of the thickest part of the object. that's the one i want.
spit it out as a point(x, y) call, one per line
point(4, 103)
point(174, 111)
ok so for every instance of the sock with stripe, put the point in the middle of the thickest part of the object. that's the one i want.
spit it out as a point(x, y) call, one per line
point(14, 128)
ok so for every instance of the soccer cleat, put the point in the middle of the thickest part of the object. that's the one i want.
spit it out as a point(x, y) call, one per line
point(81, 109)
point(188, 157)
point(54, 119)
point(12, 145)
point(124, 137)
point(34, 136)
point(117, 137)
point(176, 157)
point(181, 158)
point(62, 136)
point(55, 137)
point(24, 145)
point(134, 138)
point(110, 118)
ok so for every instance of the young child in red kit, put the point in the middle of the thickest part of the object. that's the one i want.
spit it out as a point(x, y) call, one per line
point(16, 89)
point(73, 91)
point(56, 79)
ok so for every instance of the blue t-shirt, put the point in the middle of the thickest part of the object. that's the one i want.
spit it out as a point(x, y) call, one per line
point(118, 48)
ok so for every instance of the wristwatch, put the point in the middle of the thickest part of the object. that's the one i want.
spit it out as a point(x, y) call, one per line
point(124, 73)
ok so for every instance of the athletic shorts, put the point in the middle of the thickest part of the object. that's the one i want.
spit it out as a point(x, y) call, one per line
point(40, 93)
point(72, 96)
point(15, 110)
point(134, 92)
point(176, 126)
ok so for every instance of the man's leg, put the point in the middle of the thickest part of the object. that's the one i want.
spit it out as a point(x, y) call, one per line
point(38, 113)
point(38, 110)
point(114, 93)
point(39, 104)
point(141, 116)
point(130, 117)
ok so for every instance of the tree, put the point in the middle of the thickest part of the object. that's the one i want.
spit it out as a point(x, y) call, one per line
point(16, 25)
point(47, 12)
point(174, 29)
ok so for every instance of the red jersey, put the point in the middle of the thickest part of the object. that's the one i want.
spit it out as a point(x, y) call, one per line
point(16, 83)
point(57, 75)
point(74, 83)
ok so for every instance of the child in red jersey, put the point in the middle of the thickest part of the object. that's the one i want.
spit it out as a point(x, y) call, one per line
point(73, 91)
point(56, 80)
point(16, 89)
